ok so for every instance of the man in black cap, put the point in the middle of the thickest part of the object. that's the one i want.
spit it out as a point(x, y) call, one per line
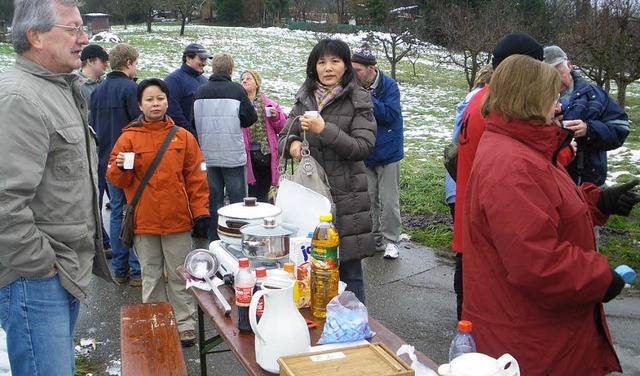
point(183, 83)
point(383, 164)
point(472, 128)
point(95, 60)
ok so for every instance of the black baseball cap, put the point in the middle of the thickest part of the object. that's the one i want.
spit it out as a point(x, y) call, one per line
point(197, 49)
point(93, 50)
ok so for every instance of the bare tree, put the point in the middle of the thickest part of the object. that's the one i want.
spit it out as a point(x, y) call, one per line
point(605, 41)
point(185, 9)
point(470, 32)
point(122, 9)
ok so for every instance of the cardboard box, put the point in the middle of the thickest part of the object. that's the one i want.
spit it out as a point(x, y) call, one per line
point(374, 359)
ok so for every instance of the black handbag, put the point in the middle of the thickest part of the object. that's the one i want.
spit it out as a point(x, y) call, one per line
point(126, 230)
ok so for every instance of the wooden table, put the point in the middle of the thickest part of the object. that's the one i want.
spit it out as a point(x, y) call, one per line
point(242, 344)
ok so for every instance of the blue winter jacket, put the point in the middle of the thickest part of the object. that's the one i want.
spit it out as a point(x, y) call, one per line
point(607, 128)
point(389, 146)
point(182, 84)
point(114, 103)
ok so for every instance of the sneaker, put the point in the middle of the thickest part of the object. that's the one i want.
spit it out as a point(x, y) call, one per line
point(188, 338)
point(121, 280)
point(137, 282)
point(391, 251)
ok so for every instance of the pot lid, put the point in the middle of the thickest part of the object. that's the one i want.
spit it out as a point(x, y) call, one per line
point(269, 227)
point(249, 209)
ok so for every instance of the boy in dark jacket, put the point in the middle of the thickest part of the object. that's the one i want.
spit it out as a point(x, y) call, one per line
point(113, 105)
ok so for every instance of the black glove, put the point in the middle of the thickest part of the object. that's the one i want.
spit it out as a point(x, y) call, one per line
point(618, 199)
point(617, 283)
point(201, 226)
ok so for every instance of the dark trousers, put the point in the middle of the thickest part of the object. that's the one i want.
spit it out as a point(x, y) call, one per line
point(457, 274)
point(351, 274)
point(260, 189)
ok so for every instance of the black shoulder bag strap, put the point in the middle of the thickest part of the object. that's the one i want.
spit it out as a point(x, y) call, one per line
point(154, 164)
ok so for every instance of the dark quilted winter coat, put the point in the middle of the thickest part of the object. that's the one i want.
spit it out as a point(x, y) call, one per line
point(348, 138)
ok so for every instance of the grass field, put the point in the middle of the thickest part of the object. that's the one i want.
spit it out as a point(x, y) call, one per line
point(429, 99)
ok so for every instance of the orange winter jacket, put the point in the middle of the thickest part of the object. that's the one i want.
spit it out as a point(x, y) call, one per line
point(177, 192)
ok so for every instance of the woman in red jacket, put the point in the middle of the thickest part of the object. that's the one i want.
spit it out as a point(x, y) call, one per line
point(175, 199)
point(534, 284)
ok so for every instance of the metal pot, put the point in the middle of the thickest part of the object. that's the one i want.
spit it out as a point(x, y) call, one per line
point(232, 217)
point(268, 240)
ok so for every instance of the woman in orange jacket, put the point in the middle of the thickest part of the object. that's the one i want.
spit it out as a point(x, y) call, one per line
point(174, 201)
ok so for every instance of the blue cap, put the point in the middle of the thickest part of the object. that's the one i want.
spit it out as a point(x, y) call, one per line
point(628, 274)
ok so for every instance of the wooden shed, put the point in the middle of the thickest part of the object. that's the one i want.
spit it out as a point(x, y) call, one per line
point(206, 11)
point(97, 22)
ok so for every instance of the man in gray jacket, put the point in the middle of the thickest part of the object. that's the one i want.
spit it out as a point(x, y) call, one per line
point(50, 238)
point(221, 108)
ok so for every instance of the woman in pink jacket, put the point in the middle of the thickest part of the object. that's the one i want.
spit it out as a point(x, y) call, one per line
point(261, 139)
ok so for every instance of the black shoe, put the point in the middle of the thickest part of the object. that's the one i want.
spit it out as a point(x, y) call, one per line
point(108, 253)
point(108, 205)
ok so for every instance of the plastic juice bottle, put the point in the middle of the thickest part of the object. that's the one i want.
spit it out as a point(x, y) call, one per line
point(325, 265)
point(463, 342)
point(261, 274)
point(290, 268)
point(244, 283)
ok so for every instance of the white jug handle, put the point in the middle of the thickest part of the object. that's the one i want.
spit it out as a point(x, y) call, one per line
point(513, 369)
point(444, 370)
point(252, 314)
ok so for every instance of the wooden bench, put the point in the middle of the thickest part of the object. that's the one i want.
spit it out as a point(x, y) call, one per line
point(149, 341)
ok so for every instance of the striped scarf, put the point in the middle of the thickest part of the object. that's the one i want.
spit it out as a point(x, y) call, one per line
point(325, 94)
point(258, 131)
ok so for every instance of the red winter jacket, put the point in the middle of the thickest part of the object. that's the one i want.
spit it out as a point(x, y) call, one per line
point(533, 282)
point(177, 192)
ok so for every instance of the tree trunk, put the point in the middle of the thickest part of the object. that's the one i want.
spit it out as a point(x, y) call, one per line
point(622, 92)
point(149, 20)
point(184, 20)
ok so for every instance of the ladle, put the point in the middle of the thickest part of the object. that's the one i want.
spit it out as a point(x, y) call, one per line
point(201, 264)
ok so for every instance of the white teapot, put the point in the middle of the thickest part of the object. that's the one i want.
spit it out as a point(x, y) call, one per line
point(477, 364)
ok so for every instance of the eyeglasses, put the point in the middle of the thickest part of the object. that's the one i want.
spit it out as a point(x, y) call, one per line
point(77, 31)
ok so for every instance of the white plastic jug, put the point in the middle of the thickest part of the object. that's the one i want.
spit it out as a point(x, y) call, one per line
point(282, 330)
point(477, 364)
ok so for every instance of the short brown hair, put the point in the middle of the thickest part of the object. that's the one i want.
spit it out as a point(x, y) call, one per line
point(222, 63)
point(522, 88)
point(120, 54)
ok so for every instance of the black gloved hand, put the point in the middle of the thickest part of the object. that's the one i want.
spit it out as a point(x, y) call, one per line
point(618, 199)
point(615, 287)
point(201, 226)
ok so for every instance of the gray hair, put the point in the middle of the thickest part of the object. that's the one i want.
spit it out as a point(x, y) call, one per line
point(37, 15)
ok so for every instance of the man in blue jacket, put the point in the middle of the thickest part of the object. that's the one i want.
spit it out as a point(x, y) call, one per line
point(114, 103)
point(598, 122)
point(184, 82)
point(383, 164)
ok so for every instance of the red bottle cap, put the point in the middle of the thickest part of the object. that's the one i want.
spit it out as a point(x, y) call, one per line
point(465, 326)
point(261, 272)
point(243, 262)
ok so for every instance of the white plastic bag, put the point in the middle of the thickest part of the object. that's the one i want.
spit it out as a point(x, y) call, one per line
point(419, 368)
point(347, 320)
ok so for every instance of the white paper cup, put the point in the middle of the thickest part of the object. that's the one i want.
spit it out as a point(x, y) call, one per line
point(128, 160)
point(311, 113)
point(267, 111)
point(565, 123)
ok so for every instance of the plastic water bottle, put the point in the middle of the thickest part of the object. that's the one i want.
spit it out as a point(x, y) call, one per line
point(244, 283)
point(463, 342)
point(325, 265)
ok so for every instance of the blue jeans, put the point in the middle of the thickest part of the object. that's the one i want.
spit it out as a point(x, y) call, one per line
point(39, 316)
point(234, 179)
point(123, 258)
